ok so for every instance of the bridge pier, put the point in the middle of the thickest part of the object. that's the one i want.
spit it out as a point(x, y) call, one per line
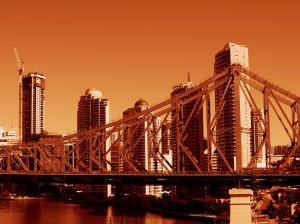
point(240, 206)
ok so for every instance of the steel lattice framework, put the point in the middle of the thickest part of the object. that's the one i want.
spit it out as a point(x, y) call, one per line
point(62, 155)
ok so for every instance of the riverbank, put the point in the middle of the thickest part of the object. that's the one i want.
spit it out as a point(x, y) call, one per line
point(14, 197)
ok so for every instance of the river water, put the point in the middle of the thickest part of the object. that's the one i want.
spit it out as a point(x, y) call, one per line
point(52, 212)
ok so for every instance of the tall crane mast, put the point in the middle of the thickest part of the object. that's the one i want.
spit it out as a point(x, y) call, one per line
point(20, 72)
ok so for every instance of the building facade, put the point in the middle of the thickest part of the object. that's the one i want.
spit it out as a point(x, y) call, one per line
point(225, 127)
point(33, 87)
point(8, 137)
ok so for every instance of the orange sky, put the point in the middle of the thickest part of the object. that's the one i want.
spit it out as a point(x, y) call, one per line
point(130, 49)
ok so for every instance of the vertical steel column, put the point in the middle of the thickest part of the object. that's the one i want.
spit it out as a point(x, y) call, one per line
point(294, 122)
point(76, 154)
point(180, 140)
point(237, 126)
point(119, 151)
point(90, 166)
point(63, 156)
point(9, 159)
point(298, 124)
point(199, 114)
point(267, 124)
point(35, 158)
point(178, 137)
point(147, 134)
point(208, 132)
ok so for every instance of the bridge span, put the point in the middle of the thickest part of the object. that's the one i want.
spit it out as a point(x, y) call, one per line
point(233, 179)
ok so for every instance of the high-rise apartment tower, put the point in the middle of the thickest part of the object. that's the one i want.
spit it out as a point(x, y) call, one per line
point(194, 140)
point(93, 111)
point(33, 87)
point(225, 130)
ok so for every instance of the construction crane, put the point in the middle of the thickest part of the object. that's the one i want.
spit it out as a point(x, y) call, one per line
point(20, 70)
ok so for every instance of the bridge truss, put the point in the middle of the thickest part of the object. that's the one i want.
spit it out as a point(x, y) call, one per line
point(112, 148)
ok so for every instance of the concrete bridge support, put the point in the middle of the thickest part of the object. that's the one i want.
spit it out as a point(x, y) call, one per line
point(240, 206)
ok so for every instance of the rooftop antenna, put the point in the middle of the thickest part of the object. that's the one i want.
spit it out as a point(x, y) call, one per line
point(20, 72)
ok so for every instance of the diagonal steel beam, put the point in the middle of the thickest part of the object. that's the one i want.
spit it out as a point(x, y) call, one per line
point(258, 150)
point(252, 103)
point(191, 157)
point(282, 111)
point(282, 123)
point(222, 155)
point(241, 69)
point(196, 106)
point(260, 87)
point(221, 105)
point(286, 159)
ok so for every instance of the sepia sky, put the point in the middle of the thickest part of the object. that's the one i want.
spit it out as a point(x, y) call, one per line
point(131, 49)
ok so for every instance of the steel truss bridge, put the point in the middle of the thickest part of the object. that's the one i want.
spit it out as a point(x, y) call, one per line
point(63, 158)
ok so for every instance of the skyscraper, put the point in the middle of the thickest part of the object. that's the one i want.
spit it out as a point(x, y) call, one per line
point(257, 137)
point(194, 140)
point(93, 111)
point(140, 156)
point(225, 130)
point(33, 87)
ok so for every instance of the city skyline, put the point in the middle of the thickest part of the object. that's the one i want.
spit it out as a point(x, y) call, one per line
point(210, 98)
point(139, 64)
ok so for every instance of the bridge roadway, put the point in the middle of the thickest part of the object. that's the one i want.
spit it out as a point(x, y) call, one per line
point(248, 177)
